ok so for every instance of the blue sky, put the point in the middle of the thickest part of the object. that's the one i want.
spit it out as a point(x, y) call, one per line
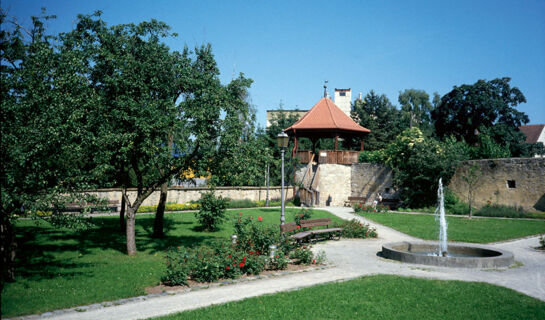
point(290, 47)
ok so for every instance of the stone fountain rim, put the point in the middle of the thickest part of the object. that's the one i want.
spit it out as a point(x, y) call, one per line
point(504, 259)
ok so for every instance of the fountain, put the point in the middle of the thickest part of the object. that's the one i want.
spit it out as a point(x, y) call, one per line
point(437, 253)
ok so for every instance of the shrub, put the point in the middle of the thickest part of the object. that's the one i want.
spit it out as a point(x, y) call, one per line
point(244, 203)
point(356, 229)
point(178, 267)
point(362, 207)
point(278, 262)
point(171, 207)
point(253, 264)
point(302, 255)
point(303, 214)
point(206, 265)
point(542, 242)
point(212, 210)
point(495, 210)
point(253, 236)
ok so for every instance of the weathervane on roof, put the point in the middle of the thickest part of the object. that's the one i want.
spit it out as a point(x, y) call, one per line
point(325, 89)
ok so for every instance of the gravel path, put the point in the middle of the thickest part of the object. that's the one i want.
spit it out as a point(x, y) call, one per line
point(348, 259)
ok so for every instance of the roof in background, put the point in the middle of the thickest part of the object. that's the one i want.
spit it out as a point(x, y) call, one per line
point(325, 115)
point(532, 132)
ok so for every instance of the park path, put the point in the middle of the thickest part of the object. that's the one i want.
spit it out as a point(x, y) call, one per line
point(348, 259)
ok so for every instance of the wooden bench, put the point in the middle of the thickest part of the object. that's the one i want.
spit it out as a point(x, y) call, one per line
point(311, 234)
point(352, 200)
point(113, 205)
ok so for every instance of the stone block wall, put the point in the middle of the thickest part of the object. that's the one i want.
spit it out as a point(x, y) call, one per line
point(184, 195)
point(368, 179)
point(335, 181)
point(511, 182)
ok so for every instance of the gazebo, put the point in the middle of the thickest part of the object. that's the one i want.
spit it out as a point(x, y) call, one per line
point(326, 120)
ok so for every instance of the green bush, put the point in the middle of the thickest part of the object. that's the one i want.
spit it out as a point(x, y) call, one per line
point(377, 156)
point(278, 262)
point(303, 214)
point(302, 255)
point(496, 210)
point(212, 210)
point(253, 236)
point(178, 267)
point(254, 264)
point(244, 203)
point(542, 242)
point(362, 207)
point(171, 207)
point(356, 229)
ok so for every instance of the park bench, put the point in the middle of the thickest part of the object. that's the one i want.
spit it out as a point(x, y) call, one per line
point(353, 200)
point(311, 234)
point(112, 205)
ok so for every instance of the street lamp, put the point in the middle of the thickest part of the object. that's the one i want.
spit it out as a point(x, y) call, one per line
point(267, 178)
point(282, 140)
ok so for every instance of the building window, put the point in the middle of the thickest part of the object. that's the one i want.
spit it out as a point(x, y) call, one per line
point(342, 93)
point(387, 190)
point(511, 184)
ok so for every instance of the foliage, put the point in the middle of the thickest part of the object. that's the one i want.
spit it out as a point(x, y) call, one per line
point(487, 148)
point(362, 207)
point(485, 106)
point(253, 236)
point(416, 109)
point(177, 266)
point(171, 207)
point(278, 262)
point(376, 113)
point(542, 241)
point(302, 255)
point(356, 229)
point(212, 210)
point(376, 156)
point(418, 162)
point(496, 210)
point(303, 214)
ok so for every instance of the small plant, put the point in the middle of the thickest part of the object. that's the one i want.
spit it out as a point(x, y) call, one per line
point(212, 210)
point(356, 229)
point(363, 208)
point(542, 242)
point(302, 255)
point(320, 257)
point(178, 267)
point(303, 214)
point(278, 262)
point(253, 236)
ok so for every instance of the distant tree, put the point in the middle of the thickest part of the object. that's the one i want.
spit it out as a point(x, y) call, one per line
point(471, 176)
point(281, 121)
point(376, 113)
point(485, 106)
point(416, 109)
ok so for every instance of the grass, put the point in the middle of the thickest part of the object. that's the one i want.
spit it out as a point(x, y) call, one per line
point(477, 230)
point(61, 268)
point(381, 297)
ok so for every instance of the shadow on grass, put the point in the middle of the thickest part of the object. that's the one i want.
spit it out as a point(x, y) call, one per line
point(45, 252)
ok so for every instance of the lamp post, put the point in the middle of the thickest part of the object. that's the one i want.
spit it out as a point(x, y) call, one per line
point(267, 180)
point(282, 140)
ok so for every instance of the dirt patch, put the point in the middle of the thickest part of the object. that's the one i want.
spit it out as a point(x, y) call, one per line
point(192, 284)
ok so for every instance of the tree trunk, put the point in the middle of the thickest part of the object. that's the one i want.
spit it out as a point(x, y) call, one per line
point(130, 230)
point(470, 204)
point(159, 215)
point(8, 246)
point(122, 214)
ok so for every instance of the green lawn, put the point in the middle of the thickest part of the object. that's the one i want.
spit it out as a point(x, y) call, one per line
point(381, 297)
point(478, 230)
point(60, 268)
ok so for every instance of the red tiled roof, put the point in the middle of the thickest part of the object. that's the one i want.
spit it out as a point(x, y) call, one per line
point(326, 116)
point(532, 132)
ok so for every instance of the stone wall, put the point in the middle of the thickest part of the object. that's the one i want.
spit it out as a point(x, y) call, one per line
point(335, 181)
point(512, 182)
point(368, 179)
point(184, 195)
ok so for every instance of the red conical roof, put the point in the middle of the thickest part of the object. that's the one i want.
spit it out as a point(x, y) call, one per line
point(326, 116)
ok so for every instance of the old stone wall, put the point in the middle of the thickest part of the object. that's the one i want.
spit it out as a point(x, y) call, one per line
point(511, 182)
point(184, 195)
point(368, 179)
point(334, 182)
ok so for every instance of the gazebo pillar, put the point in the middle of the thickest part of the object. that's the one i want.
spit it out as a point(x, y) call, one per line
point(336, 141)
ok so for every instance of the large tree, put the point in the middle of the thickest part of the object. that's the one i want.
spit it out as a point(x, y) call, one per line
point(485, 106)
point(47, 134)
point(376, 113)
point(416, 109)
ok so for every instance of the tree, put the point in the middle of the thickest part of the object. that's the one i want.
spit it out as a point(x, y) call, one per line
point(376, 113)
point(471, 176)
point(416, 108)
point(46, 133)
point(488, 106)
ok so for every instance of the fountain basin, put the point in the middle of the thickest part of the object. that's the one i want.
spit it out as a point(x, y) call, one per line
point(460, 256)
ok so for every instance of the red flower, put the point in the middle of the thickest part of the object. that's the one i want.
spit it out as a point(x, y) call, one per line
point(240, 213)
point(178, 247)
point(298, 227)
point(244, 259)
point(313, 261)
point(257, 252)
point(230, 256)
point(309, 228)
point(259, 218)
point(276, 257)
point(251, 252)
point(241, 264)
point(301, 215)
point(238, 220)
point(227, 267)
